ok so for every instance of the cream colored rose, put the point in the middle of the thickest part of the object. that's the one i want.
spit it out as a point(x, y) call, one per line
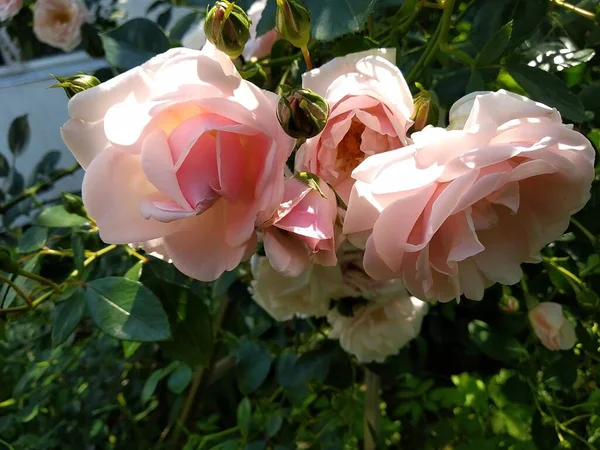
point(380, 328)
point(58, 22)
point(284, 297)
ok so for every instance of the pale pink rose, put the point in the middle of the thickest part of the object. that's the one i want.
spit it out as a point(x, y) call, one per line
point(370, 109)
point(9, 8)
point(380, 328)
point(58, 22)
point(302, 230)
point(551, 326)
point(460, 210)
point(256, 46)
point(183, 152)
point(307, 295)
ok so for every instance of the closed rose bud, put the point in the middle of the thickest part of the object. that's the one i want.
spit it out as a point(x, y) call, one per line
point(227, 27)
point(552, 327)
point(292, 22)
point(426, 111)
point(73, 204)
point(7, 262)
point(302, 113)
point(76, 84)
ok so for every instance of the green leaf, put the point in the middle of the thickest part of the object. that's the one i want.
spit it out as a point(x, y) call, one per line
point(45, 166)
point(274, 424)
point(193, 340)
point(185, 24)
point(252, 366)
point(127, 310)
point(562, 373)
point(549, 89)
point(353, 43)
point(494, 344)
point(543, 433)
point(33, 240)
point(25, 284)
point(78, 247)
point(19, 135)
point(134, 43)
point(58, 217)
point(244, 416)
point(68, 316)
point(223, 283)
point(129, 348)
point(152, 381)
point(334, 18)
point(180, 378)
point(495, 47)
point(135, 272)
point(475, 83)
point(4, 166)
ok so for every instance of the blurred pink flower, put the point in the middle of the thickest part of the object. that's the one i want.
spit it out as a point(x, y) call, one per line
point(551, 326)
point(9, 8)
point(58, 22)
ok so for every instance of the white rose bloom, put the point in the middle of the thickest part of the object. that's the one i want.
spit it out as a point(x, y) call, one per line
point(379, 328)
point(58, 22)
point(285, 297)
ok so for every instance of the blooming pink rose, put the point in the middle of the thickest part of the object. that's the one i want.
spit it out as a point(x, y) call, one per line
point(370, 109)
point(256, 46)
point(182, 152)
point(551, 326)
point(58, 22)
point(9, 8)
point(302, 230)
point(459, 210)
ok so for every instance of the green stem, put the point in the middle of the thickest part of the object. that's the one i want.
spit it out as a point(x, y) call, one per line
point(584, 230)
point(31, 191)
point(17, 289)
point(24, 308)
point(41, 280)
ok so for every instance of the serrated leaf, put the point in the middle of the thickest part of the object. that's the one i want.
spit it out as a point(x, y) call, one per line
point(252, 366)
point(334, 18)
point(58, 217)
point(68, 316)
point(495, 47)
point(274, 424)
point(32, 240)
point(134, 43)
point(126, 310)
point(135, 272)
point(19, 135)
point(549, 89)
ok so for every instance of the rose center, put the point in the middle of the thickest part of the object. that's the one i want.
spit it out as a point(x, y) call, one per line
point(349, 155)
point(61, 16)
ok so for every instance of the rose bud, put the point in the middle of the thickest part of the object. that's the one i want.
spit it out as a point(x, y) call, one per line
point(552, 327)
point(227, 27)
point(76, 84)
point(73, 204)
point(302, 113)
point(292, 22)
point(426, 111)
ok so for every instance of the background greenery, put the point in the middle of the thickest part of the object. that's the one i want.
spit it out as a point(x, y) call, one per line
point(200, 366)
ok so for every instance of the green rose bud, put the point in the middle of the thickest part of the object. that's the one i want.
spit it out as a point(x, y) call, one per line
point(7, 262)
point(227, 26)
point(73, 204)
point(302, 113)
point(292, 22)
point(76, 84)
point(426, 110)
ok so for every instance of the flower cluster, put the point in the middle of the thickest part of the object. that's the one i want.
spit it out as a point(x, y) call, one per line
point(187, 159)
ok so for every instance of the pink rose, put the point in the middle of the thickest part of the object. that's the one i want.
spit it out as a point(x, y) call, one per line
point(370, 108)
point(9, 8)
point(58, 22)
point(182, 152)
point(551, 326)
point(460, 210)
point(302, 230)
point(256, 46)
